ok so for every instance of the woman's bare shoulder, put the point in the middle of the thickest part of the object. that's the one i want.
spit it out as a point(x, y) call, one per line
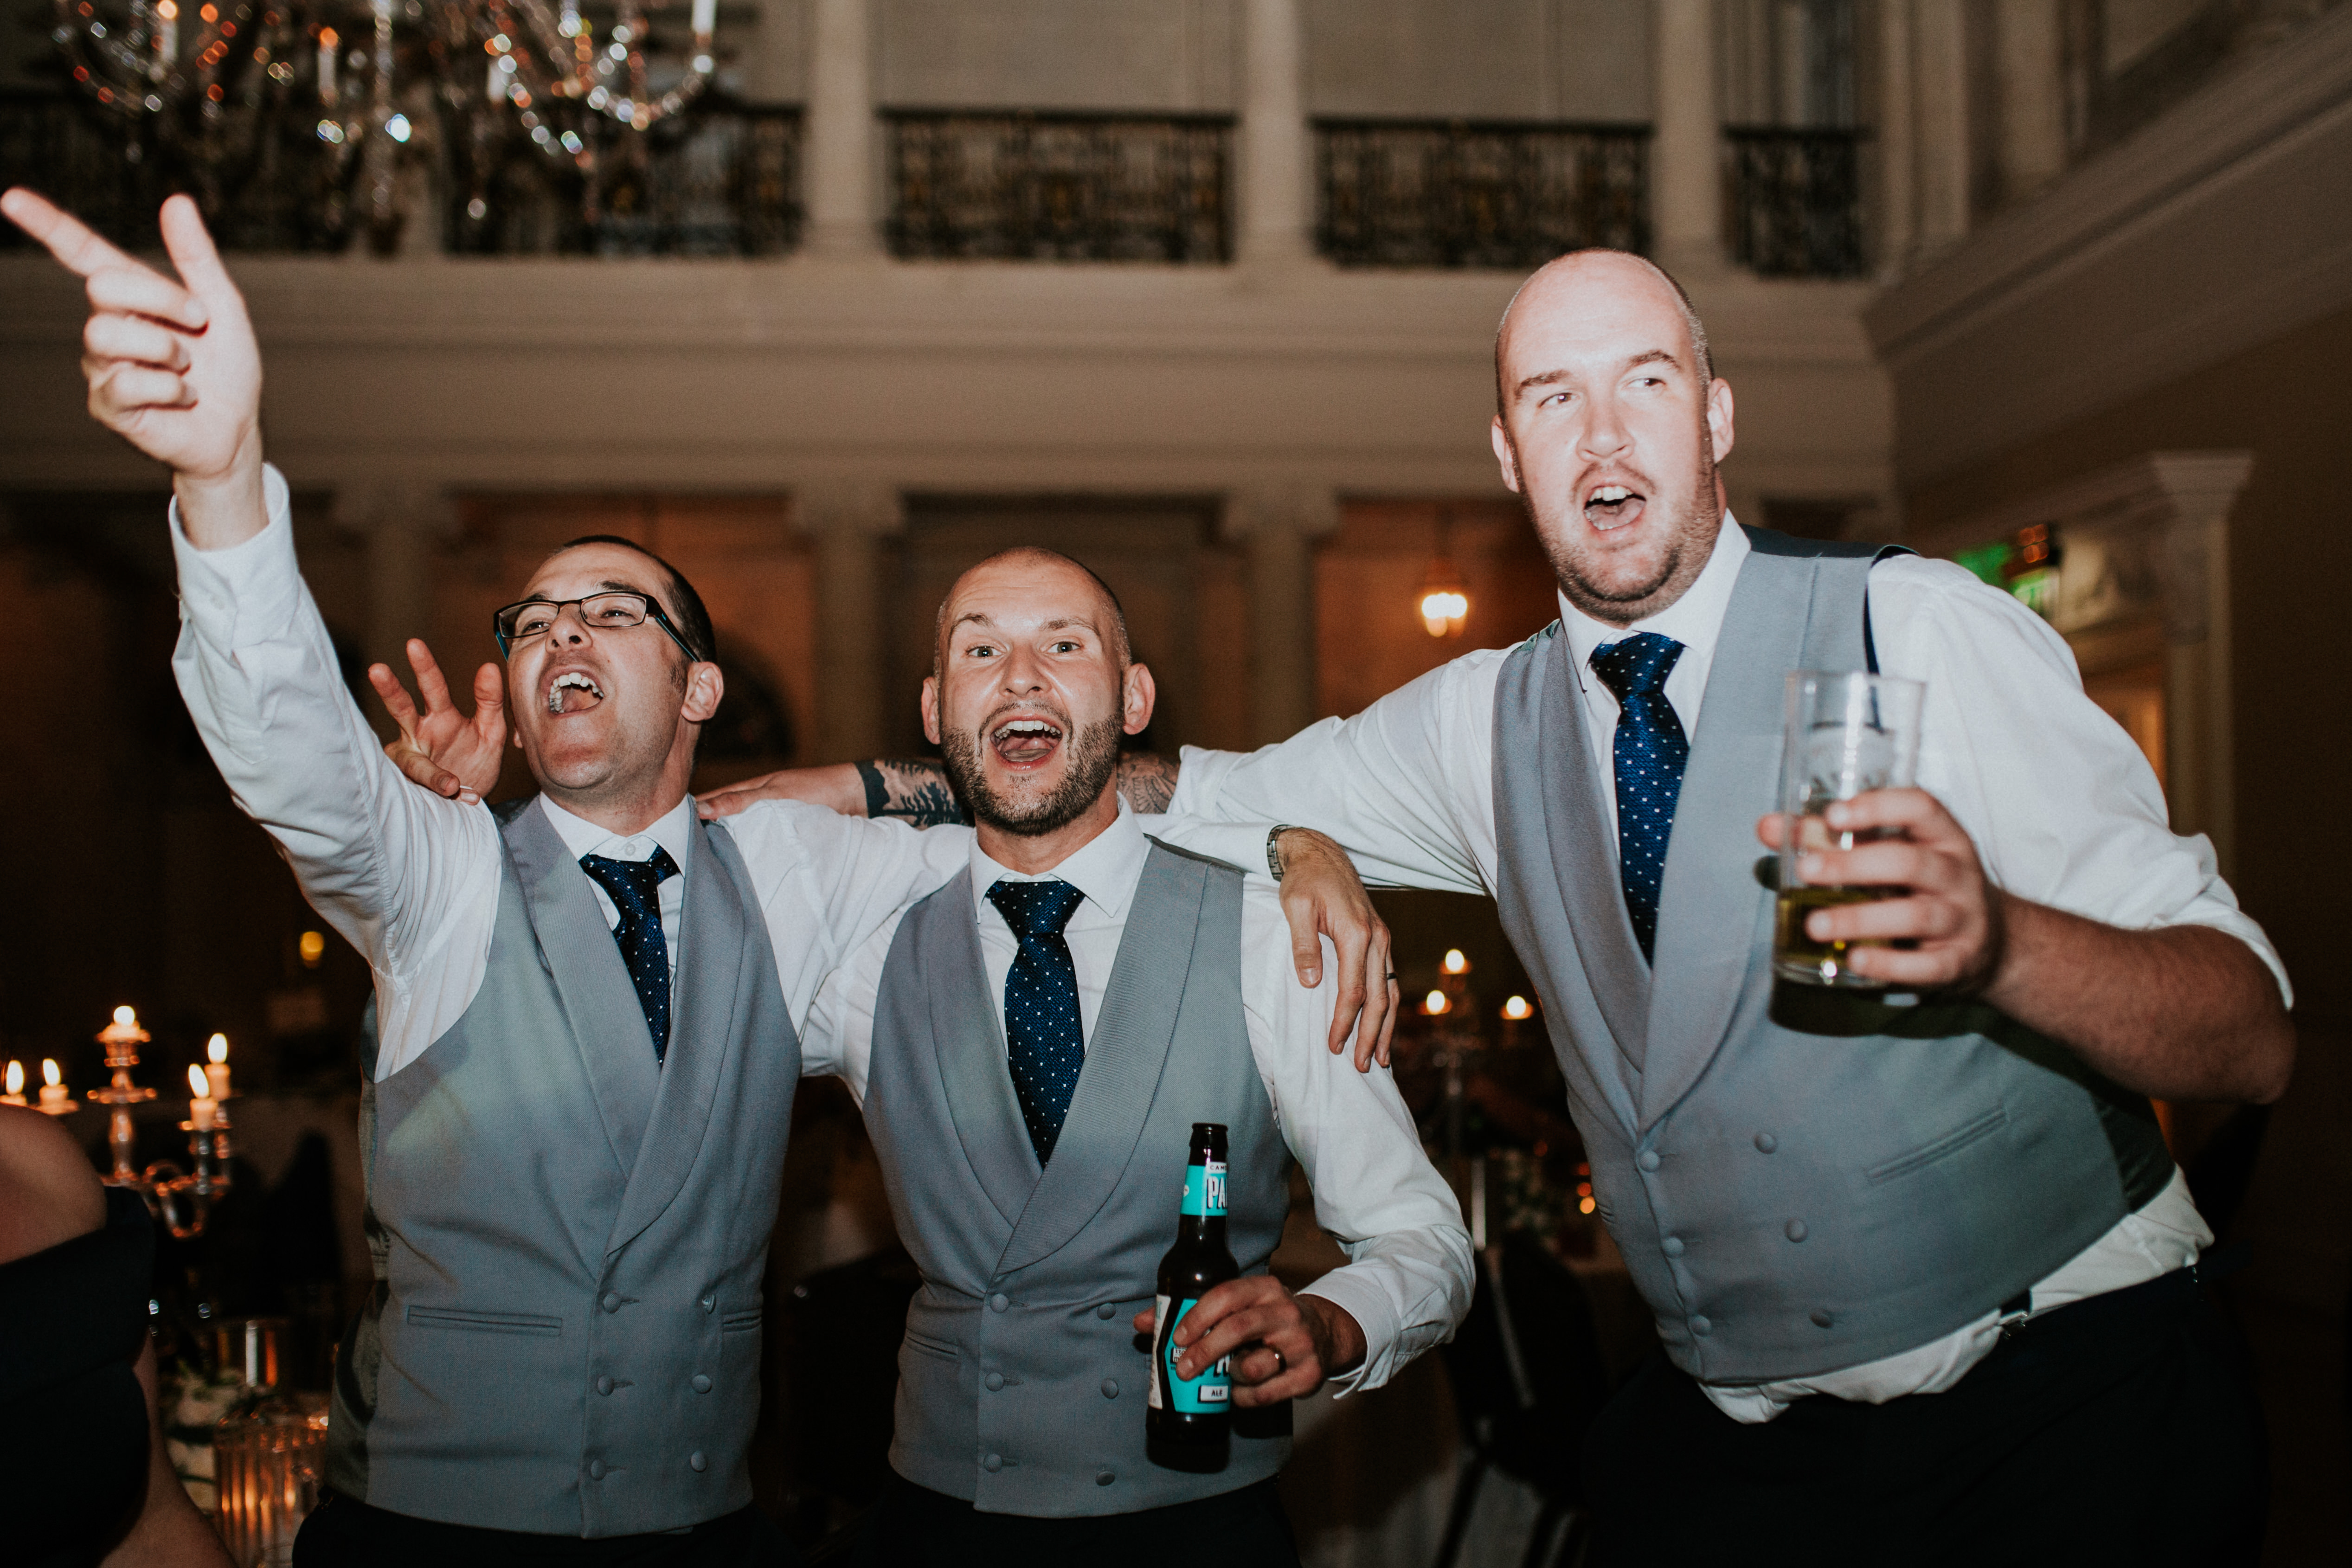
point(49, 1193)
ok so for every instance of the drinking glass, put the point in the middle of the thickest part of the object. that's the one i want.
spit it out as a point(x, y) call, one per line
point(268, 1466)
point(1848, 732)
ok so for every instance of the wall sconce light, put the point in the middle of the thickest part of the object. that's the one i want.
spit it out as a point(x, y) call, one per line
point(1444, 604)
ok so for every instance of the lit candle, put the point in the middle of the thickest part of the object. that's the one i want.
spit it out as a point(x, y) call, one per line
point(167, 39)
point(328, 43)
point(1455, 963)
point(203, 1107)
point(706, 13)
point(53, 1099)
point(15, 1095)
point(1517, 1009)
point(1435, 1003)
point(217, 1075)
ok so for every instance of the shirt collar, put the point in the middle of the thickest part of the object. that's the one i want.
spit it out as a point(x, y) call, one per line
point(674, 831)
point(1695, 620)
point(1104, 869)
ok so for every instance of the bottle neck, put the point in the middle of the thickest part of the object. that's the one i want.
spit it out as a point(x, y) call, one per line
point(1200, 1230)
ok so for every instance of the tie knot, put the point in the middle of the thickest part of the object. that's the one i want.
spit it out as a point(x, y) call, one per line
point(1035, 909)
point(1637, 664)
point(631, 883)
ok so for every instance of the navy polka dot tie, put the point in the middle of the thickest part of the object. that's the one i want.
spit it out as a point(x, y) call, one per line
point(635, 886)
point(1044, 1040)
point(1650, 753)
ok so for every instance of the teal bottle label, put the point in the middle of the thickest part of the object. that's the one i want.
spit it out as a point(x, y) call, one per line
point(1204, 1190)
point(1212, 1393)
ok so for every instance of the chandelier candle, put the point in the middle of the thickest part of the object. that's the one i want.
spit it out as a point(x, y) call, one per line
point(1189, 1424)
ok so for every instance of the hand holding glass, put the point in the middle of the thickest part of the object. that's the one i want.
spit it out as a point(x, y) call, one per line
point(1847, 733)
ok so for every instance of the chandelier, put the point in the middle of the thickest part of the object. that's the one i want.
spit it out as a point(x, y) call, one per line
point(229, 90)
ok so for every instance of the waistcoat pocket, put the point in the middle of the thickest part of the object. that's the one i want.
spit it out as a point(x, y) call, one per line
point(1974, 1131)
point(930, 1346)
point(484, 1323)
point(742, 1320)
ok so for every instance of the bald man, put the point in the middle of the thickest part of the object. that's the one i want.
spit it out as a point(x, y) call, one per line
point(1923, 1271)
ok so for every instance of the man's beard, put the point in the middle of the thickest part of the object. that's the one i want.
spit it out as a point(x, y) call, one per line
point(1604, 601)
point(1092, 757)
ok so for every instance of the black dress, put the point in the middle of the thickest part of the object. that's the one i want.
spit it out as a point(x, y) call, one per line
point(73, 1422)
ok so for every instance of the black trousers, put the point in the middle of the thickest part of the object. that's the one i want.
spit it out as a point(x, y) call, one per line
point(914, 1527)
point(342, 1532)
point(2121, 1429)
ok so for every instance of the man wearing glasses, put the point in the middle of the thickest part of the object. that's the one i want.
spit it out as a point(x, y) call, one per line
point(574, 1114)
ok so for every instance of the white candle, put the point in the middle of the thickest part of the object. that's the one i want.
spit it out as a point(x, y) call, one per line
point(706, 13)
point(15, 1095)
point(216, 1074)
point(328, 43)
point(203, 1107)
point(53, 1092)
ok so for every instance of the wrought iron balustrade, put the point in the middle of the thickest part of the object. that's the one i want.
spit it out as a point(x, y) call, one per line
point(1477, 193)
point(971, 185)
point(1796, 200)
point(724, 180)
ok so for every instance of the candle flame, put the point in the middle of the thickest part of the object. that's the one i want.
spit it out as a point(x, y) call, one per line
point(16, 1078)
point(217, 1049)
point(1516, 1007)
point(313, 943)
point(48, 1072)
point(1443, 612)
point(1434, 1003)
point(1455, 963)
point(124, 1014)
point(327, 39)
point(197, 1083)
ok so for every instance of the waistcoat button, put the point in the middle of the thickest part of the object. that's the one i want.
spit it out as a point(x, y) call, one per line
point(1104, 1478)
point(1671, 1247)
point(1105, 1311)
point(1647, 1158)
point(1765, 1143)
point(603, 1385)
point(1797, 1230)
point(997, 1303)
point(1701, 1327)
point(710, 1302)
point(1110, 1388)
point(697, 1461)
point(1821, 1318)
point(994, 1463)
point(595, 1469)
point(611, 1301)
point(701, 1382)
point(995, 1381)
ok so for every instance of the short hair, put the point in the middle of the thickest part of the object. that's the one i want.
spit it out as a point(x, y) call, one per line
point(685, 607)
point(1690, 314)
point(1118, 638)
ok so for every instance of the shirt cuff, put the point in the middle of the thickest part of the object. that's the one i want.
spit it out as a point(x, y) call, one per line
point(1365, 1301)
point(255, 583)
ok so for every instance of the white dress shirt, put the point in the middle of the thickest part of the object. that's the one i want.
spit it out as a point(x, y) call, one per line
point(2063, 807)
point(1407, 1281)
point(674, 831)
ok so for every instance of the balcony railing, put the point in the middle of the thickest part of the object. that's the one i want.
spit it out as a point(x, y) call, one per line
point(1477, 194)
point(724, 181)
point(968, 185)
point(1796, 200)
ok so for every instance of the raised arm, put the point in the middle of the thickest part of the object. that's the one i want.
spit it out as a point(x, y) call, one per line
point(173, 367)
point(915, 790)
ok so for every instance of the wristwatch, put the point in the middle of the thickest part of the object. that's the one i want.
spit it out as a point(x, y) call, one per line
point(1273, 854)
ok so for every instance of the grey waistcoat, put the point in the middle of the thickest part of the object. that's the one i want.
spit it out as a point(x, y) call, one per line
point(564, 1335)
point(1799, 1180)
point(1020, 1385)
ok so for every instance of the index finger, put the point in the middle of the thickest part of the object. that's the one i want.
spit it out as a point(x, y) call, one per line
point(1884, 808)
point(69, 238)
point(430, 685)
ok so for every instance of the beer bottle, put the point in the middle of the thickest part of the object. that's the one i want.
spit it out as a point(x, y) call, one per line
point(1189, 1422)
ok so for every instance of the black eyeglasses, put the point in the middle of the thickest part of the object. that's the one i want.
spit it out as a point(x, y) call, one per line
point(617, 610)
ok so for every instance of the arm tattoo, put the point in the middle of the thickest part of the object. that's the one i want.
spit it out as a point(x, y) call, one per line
point(1147, 781)
point(914, 788)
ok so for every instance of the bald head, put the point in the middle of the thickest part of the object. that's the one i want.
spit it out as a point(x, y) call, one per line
point(1582, 279)
point(1036, 558)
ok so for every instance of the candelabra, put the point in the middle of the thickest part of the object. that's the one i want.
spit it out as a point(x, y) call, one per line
point(181, 1200)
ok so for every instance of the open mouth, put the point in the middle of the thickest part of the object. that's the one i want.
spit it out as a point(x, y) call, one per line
point(574, 692)
point(1613, 506)
point(1026, 742)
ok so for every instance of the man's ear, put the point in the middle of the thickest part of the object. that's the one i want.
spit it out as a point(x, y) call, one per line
point(1504, 455)
point(1139, 693)
point(704, 687)
point(932, 708)
point(1718, 417)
